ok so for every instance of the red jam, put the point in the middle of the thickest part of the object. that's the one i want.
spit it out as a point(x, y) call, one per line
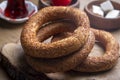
point(61, 2)
point(16, 9)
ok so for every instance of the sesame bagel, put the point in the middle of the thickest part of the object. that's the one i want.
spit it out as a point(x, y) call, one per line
point(63, 63)
point(34, 46)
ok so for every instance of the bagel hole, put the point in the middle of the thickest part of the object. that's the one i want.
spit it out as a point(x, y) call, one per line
point(44, 34)
point(60, 36)
point(98, 49)
point(48, 40)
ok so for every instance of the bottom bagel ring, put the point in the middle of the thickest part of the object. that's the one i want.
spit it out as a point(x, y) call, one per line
point(64, 63)
point(105, 62)
point(102, 63)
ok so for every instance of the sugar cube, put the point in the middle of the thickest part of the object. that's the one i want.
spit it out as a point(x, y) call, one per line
point(113, 14)
point(97, 10)
point(106, 6)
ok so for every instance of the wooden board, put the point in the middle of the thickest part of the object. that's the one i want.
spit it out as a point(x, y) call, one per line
point(15, 56)
point(14, 63)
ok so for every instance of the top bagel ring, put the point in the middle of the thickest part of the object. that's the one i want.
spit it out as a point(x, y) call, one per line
point(35, 48)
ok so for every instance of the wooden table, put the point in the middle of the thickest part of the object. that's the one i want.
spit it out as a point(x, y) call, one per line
point(11, 33)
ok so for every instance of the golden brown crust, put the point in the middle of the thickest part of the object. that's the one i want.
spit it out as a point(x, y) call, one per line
point(35, 48)
point(67, 53)
point(63, 63)
point(102, 63)
point(105, 62)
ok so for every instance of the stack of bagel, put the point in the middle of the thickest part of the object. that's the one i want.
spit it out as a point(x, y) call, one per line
point(71, 43)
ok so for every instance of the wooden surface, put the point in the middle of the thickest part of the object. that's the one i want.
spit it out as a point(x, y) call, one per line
point(11, 33)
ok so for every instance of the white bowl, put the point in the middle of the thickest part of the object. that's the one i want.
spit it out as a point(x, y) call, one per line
point(32, 9)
